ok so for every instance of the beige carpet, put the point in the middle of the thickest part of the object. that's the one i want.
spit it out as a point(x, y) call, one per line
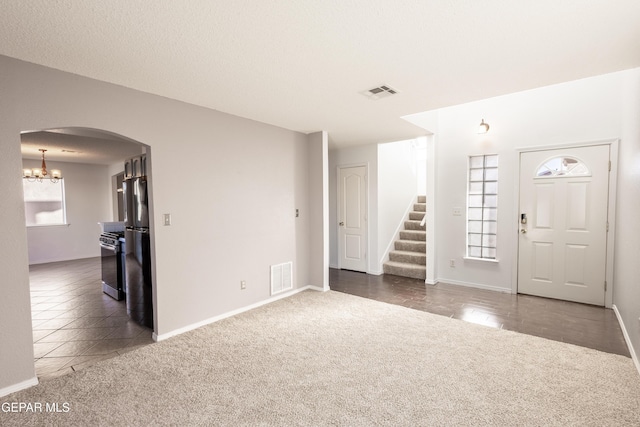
point(335, 359)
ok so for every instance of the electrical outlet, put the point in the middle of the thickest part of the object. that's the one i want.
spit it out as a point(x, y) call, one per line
point(243, 284)
point(457, 211)
point(452, 263)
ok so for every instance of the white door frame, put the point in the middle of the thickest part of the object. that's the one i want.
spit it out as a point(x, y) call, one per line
point(432, 247)
point(338, 205)
point(611, 210)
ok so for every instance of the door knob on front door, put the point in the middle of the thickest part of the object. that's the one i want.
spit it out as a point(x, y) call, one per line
point(341, 223)
point(523, 231)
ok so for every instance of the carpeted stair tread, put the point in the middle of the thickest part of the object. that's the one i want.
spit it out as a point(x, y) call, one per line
point(410, 245)
point(409, 258)
point(414, 225)
point(419, 258)
point(413, 235)
point(417, 216)
point(420, 207)
point(405, 269)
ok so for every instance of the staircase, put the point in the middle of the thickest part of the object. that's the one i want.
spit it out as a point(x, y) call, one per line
point(409, 258)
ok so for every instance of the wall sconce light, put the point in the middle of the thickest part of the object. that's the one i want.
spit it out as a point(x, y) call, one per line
point(484, 127)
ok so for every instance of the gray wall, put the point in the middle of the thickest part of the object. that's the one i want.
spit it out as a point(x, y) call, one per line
point(318, 210)
point(231, 184)
point(626, 293)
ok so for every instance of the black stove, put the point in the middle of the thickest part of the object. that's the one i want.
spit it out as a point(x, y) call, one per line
point(113, 274)
point(110, 238)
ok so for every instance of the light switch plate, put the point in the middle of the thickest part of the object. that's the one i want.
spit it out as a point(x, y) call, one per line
point(167, 219)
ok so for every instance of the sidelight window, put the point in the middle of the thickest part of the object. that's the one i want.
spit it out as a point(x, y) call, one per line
point(482, 207)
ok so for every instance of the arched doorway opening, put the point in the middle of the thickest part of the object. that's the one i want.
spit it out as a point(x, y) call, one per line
point(75, 322)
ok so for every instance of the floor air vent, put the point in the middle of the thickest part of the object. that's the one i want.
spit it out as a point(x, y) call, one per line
point(281, 277)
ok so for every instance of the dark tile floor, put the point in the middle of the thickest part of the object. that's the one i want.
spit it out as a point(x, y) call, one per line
point(74, 323)
point(579, 324)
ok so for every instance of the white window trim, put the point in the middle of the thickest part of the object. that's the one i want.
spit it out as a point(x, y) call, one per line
point(65, 222)
point(470, 258)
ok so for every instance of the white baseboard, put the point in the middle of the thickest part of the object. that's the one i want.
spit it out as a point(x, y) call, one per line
point(634, 356)
point(20, 386)
point(214, 319)
point(474, 285)
point(430, 282)
point(64, 259)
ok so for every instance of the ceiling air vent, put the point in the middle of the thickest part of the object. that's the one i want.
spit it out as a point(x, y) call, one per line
point(379, 92)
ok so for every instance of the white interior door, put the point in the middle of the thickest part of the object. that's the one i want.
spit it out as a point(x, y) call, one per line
point(352, 218)
point(563, 240)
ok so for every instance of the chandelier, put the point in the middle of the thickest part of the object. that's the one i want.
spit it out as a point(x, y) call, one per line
point(38, 174)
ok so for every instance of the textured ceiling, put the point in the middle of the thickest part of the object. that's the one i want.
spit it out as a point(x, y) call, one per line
point(300, 64)
point(78, 145)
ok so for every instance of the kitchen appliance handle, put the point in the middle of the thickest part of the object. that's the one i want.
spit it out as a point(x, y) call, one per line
point(109, 247)
point(138, 230)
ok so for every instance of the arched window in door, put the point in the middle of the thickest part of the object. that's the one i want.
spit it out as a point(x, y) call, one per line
point(562, 166)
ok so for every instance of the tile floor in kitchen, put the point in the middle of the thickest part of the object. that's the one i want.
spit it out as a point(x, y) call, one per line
point(74, 323)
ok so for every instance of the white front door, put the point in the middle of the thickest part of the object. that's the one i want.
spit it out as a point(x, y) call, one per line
point(352, 218)
point(563, 223)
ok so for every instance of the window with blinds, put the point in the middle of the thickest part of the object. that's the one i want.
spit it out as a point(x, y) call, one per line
point(482, 207)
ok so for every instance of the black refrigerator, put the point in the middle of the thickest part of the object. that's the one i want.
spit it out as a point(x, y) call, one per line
point(138, 251)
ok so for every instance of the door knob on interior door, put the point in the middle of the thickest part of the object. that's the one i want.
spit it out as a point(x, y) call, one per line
point(341, 223)
point(523, 231)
